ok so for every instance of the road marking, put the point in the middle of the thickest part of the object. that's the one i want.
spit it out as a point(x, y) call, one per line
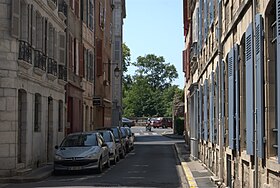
point(146, 134)
point(154, 133)
point(136, 134)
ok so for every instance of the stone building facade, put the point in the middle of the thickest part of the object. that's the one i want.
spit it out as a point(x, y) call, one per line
point(32, 80)
point(232, 89)
point(55, 57)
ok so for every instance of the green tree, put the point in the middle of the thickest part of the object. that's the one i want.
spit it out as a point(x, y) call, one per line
point(159, 74)
point(126, 62)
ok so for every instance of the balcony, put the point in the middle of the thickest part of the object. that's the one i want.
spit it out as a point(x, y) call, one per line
point(39, 62)
point(52, 4)
point(62, 10)
point(52, 69)
point(25, 54)
point(62, 74)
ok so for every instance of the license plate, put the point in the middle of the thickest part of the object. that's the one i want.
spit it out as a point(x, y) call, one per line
point(75, 168)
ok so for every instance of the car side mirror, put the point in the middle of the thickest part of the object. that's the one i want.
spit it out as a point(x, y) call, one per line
point(56, 147)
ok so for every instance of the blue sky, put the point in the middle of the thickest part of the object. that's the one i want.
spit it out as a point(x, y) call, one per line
point(155, 27)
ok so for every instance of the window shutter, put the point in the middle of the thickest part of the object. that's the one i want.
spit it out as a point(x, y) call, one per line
point(62, 48)
point(15, 26)
point(200, 26)
point(223, 101)
point(77, 8)
point(99, 58)
point(30, 8)
point(72, 4)
point(196, 128)
point(70, 65)
point(91, 14)
point(216, 130)
point(44, 35)
point(200, 123)
point(81, 60)
point(211, 119)
point(34, 29)
point(205, 20)
point(237, 96)
point(278, 74)
point(249, 92)
point(211, 9)
point(205, 110)
point(55, 47)
point(231, 101)
point(259, 85)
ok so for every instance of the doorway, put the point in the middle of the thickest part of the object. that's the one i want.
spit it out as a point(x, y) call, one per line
point(22, 117)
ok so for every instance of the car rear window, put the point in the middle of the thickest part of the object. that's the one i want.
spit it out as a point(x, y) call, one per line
point(81, 140)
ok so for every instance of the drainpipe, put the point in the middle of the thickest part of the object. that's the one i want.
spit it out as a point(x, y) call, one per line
point(255, 113)
point(221, 118)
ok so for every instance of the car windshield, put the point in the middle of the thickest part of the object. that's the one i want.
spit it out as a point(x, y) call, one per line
point(80, 140)
point(116, 133)
point(107, 136)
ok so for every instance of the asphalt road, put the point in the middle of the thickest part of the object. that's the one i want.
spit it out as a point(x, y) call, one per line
point(153, 163)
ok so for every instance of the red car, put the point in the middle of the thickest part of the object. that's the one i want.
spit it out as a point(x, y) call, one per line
point(163, 122)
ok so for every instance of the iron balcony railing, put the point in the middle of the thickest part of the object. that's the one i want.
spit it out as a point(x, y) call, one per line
point(25, 51)
point(40, 60)
point(52, 67)
point(62, 72)
point(62, 7)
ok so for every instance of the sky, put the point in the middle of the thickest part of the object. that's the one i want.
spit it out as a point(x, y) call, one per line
point(155, 27)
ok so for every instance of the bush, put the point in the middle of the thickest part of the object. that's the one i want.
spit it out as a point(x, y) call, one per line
point(179, 124)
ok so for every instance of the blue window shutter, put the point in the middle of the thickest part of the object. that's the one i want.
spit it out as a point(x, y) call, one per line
point(216, 130)
point(278, 74)
point(259, 85)
point(249, 91)
point(211, 7)
point(211, 119)
point(200, 112)
point(231, 100)
point(223, 102)
point(237, 95)
point(205, 102)
point(205, 20)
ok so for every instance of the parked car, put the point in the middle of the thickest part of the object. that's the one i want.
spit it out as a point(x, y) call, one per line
point(127, 122)
point(120, 143)
point(163, 122)
point(110, 140)
point(126, 138)
point(81, 151)
point(130, 138)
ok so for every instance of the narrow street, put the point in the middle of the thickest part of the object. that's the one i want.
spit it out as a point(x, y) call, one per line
point(153, 163)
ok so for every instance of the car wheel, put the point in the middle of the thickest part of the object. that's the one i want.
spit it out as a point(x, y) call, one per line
point(100, 166)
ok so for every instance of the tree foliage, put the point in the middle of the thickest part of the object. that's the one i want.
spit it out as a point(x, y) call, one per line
point(149, 92)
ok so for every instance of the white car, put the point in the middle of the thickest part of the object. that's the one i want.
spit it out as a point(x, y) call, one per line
point(81, 151)
point(111, 142)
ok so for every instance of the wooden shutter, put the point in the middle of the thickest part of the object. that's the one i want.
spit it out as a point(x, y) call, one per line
point(62, 44)
point(211, 12)
point(205, 101)
point(55, 47)
point(15, 22)
point(29, 23)
point(200, 26)
point(278, 74)
point(211, 110)
point(237, 96)
point(231, 99)
point(81, 60)
point(222, 101)
point(249, 92)
point(260, 86)
point(77, 8)
point(99, 50)
point(217, 99)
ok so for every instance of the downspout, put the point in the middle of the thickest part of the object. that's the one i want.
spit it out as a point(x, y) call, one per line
point(221, 118)
point(255, 113)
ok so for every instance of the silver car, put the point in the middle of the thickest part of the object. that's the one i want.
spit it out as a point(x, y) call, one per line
point(81, 151)
point(110, 140)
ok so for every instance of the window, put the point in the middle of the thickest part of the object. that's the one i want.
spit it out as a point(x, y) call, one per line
point(60, 116)
point(90, 20)
point(37, 113)
point(39, 31)
point(101, 16)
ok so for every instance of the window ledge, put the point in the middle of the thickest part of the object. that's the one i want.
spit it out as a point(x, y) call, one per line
point(51, 77)
point(61, 16)
point(24, 64)
point(273, 165)
point(52, 4)
point(39, 71)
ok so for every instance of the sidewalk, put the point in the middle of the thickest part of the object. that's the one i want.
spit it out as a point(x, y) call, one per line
point(35, 175)
point(196, 174)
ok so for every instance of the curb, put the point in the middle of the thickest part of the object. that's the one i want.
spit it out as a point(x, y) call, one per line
point(189, 176)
